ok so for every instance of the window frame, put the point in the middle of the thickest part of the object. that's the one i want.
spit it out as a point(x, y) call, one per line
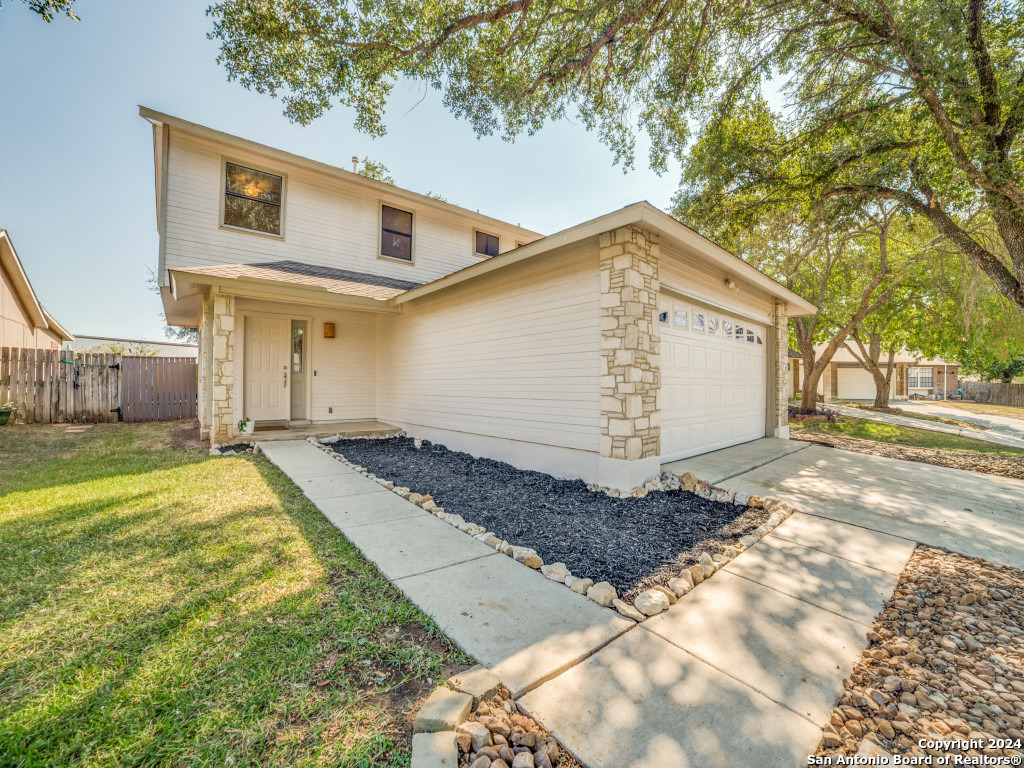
point(380, 234)
point(224, 160)
point(476, 234)
point(912, 370)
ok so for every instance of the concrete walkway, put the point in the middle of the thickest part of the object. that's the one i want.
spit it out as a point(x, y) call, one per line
point(720, 465)
point(987, 435)
point(523, 626)
point(742, 671)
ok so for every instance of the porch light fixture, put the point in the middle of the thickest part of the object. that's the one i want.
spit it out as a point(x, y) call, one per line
point(328, 330)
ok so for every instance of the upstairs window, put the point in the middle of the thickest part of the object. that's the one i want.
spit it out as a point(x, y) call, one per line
point(252, 199)
point(396, 233)
point(486, 245)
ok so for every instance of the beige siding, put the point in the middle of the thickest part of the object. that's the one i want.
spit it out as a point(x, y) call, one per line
point(706, 283)
point(15, 328)
point(345, 366)
point(514, 355)
point(326, 221)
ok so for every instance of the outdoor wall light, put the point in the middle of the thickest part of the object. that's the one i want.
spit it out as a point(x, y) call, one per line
point(328, 330)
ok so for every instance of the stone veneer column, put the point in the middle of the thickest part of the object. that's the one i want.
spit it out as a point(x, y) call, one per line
point(630, 374)
point(221, 377)
point(780, 319)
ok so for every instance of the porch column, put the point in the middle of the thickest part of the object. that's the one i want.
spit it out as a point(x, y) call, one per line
point(630, 376)
point(780, 319)
point(222, 372)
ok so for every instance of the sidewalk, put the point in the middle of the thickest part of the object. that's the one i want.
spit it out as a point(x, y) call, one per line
point(741, 671)
point(986, 435)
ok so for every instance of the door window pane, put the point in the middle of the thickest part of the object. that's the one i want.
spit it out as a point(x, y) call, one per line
point(298, 341)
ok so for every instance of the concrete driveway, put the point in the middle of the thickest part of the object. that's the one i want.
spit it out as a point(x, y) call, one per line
point(968, 512)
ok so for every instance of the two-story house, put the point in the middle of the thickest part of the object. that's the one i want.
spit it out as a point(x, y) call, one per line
point(598, 352)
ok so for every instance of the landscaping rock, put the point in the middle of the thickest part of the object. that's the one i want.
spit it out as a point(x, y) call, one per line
point(602, 593)
point(555, 571)
point(651, 602)
point(580, 586)
point(688, 481)
point(741, 499)
point(444, 710)
point(527, 557)
point(707, 564)
point(680, 585)
point(755, 502)
point(696, 573)
point(627, 610)
point(667, 592)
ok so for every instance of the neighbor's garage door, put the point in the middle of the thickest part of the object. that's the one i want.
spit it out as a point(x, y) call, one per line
point(854, 384)
point(713, 379)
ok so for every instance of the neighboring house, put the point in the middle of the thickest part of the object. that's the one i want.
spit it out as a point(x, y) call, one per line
point(845, 378)
point(161, 348)
point(322, 296)
point(24, 322)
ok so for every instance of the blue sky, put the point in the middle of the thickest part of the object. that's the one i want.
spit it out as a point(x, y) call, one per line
point(76, 168)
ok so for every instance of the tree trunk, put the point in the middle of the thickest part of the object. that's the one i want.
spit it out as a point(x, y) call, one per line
point(809, 388)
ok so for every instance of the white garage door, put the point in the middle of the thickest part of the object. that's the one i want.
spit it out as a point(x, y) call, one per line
point(854, 384)
point(713, 379)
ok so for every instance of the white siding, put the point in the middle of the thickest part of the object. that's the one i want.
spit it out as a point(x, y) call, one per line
point(345, 366)
point(326, 221)
point(706, 283)
point(514, 355)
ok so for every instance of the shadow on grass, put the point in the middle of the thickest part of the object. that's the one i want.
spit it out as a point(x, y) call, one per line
point(200, 610)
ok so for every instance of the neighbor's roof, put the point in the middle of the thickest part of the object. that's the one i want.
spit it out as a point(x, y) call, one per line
point(339, 281)
point(37, 314)
point(845, 355)
point(377, 187)
point(648, 217)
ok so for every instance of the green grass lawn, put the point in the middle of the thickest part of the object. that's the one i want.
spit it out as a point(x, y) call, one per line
point(162, 607)
point(890, 433)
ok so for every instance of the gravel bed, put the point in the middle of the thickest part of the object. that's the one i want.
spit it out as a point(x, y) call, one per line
point(945, 663)
point(629, 542)
point(1006, 466)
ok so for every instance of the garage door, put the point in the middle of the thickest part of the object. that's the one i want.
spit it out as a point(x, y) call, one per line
point(713, 379)
point(854, 384)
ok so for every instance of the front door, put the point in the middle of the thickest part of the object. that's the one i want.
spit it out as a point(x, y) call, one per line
point(266, 368)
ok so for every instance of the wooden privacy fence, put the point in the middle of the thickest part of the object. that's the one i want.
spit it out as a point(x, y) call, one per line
point(994, 393)
point(158, 388)
point(58, 386)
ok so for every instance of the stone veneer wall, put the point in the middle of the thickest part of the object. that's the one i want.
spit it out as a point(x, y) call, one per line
point(780, 319)
point(222, 373)
point(630, 375)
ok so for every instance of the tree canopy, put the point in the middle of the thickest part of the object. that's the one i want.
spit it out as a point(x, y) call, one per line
point(920, 102)
point(51, 9)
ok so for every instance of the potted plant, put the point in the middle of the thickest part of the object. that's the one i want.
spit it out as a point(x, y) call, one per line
point(7, 411)
point(246, 426)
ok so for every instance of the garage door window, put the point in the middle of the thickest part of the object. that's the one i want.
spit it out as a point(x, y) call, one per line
point(750, 335)
point(679, 318)
point(712, 325)
point(698, 322)
point(663, 317)
point(739, 333)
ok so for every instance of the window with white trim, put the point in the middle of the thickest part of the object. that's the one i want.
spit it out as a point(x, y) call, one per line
point(252, 199)
point(919, 378)
point(395, 233)
point(486, 245)
point(698, 322)
point(712, 325)
point(679, 318)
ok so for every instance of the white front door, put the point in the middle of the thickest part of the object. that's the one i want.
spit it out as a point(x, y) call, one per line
point(713, 379)
point(266, 368)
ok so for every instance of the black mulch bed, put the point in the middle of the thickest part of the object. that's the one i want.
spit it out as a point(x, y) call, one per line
point(631, 543)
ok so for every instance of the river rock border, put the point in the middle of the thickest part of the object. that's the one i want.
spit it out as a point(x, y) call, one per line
point(474, 721)
point(648, 603)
